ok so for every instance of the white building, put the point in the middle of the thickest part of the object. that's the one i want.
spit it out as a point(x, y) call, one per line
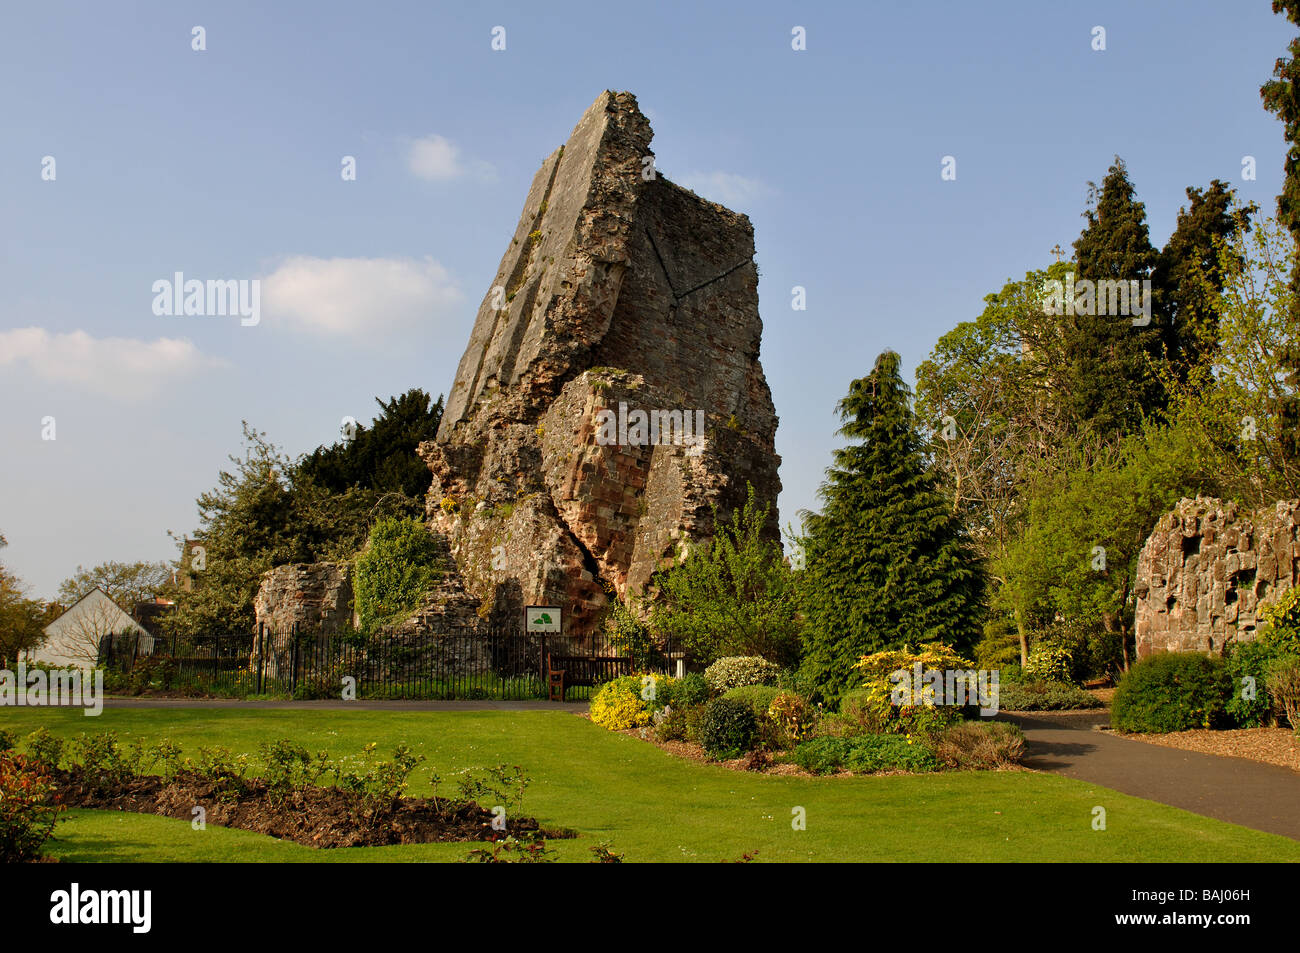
point(74, 638)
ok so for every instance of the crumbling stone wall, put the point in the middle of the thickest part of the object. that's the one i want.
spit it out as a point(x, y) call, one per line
point(311, 595)
point(1206, 571)
point(317, 597)
point(617, 286)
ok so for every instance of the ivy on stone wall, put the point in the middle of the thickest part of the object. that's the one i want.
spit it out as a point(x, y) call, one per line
point(397, 567)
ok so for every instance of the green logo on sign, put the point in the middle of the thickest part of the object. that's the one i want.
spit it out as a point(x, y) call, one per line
point(544, 619)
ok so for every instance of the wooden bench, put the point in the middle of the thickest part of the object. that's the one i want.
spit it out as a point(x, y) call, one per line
point(565, 671)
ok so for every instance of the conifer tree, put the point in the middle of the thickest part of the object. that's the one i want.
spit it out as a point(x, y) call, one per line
point(1281, 97)
point(887, 561)
point(1189, 272)
point(1113, 383)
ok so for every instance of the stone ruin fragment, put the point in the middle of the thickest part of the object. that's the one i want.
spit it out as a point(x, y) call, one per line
point(1208, 569)
point(624, 311)
point(621, 293)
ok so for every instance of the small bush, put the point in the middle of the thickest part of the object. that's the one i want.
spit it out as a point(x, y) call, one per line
point(6, 740)
point(1050, 663)
point(45, 748)
point(737, 671)
point(1247, 664)
point(674, 725)
point(631, 701)
point(794, 717)
point(865, 754)
point(223, 769)
point(980, 745)
point(1283, 681)
point(728, 729)
point(890, 704)
point(289, 767)
point(758, 697)
point(1044, 696)
point(1172, 691)
point(692, 689)
point(29, 808)
point(103, 761)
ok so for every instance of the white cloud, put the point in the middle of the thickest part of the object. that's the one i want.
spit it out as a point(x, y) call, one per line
point(126, 368)
point(732, 190)
point(361, 297)
point(438, 159)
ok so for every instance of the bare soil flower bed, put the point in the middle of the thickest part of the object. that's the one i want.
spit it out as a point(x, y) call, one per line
point(313, 816)
point(1270, 745)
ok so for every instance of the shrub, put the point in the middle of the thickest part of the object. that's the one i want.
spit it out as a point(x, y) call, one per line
point(1050, 662)
point(793, 716)
point(501, 785)
point(29, 808)
point(728, 728)
point(1283, 681)
point(692, 689)
point(290, 766)
point(1280, 623)
point(885, 710)
point(223, 769)
point(377, 784)
point(630, 701)
point(103, 761)
point(45, 748)
point(1247, 665)
point(393, 573)
point(737, 671)
point(674, 725)
point(6, 740)
point(153, 672)
point(865, 754)
point(980, 745)
point(1172, 691)
point(1000, 645)
point(758, 697)
point(1044, 696)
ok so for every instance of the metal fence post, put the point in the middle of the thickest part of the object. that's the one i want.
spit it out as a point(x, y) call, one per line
point(293, 674)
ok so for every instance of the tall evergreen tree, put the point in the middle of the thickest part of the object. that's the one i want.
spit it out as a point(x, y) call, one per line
point(382, 456)
point(887, 561)
point(1113, 384)
point(1281, 97)
point(1189, 272)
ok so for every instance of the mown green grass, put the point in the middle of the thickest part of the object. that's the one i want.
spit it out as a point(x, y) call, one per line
point(652, 806)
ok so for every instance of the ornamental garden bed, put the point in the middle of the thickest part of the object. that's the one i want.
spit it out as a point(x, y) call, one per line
point(733, 715)
point(282, 793)
point(323, 817)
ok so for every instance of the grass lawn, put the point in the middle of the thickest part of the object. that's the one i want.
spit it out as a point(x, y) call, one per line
point(652, 806)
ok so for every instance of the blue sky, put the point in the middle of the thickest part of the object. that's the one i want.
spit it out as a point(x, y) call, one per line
point(225, 163)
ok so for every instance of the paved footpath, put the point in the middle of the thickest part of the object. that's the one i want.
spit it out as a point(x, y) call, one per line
point(338, 705)
point(1249, 793)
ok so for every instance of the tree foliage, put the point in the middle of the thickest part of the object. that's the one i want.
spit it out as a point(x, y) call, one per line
point(732, 595)
point(126, 583)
